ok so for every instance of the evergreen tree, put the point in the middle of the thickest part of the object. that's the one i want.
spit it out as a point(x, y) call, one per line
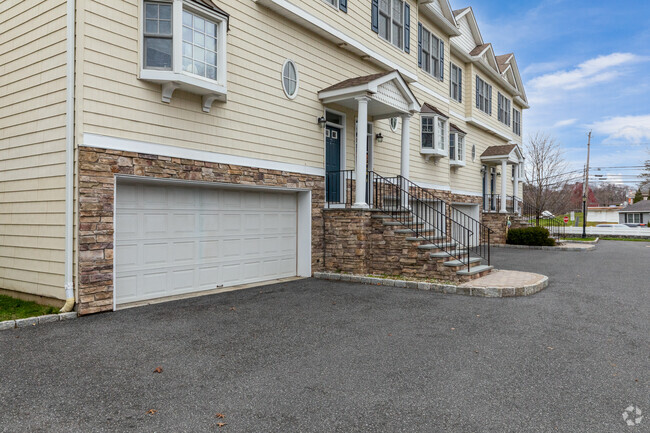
point(638, 196)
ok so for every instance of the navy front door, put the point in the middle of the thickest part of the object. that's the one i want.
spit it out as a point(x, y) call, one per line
point(333, 163)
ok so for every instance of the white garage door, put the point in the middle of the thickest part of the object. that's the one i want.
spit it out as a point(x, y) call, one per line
point(173, 239)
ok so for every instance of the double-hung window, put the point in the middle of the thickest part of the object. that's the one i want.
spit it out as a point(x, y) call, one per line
point(456, 83)
point(431, 52)
point(516, 121)
point(504, 106)
point(338, 4)
point(456, 148)
point(483, 96)
point(433, 133)
point(391, 20)
point(184, 47)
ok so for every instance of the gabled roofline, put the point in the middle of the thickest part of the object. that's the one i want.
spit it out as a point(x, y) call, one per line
point(468, 14)
point(446, 20)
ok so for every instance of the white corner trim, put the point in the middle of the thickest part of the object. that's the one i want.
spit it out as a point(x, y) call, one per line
point(344, 38)
point(430, 92)
point(469, 193)
point(115, 143)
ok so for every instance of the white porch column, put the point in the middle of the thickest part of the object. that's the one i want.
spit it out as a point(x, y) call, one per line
point(504, 180)
point(406, 147)
point(515, 188)
point(362, 138)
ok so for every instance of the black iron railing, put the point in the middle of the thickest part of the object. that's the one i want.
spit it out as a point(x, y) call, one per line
point(417, 212)
point(534, 217)
point(339, 188)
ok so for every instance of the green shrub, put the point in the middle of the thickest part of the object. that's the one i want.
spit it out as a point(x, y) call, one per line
point(533, 236)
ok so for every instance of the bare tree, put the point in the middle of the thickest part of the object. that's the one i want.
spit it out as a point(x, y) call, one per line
point(645, 175)
point(546, 174)
point(610, 193)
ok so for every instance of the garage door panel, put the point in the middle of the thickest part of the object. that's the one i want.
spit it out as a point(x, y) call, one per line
point(175, 239)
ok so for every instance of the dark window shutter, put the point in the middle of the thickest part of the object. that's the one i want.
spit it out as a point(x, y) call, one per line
point(459, 73)
point(343, 5)
point(499, 106)
point(442, 60)
point(407, 28)
point(375, 16)
point(419, 45)
point(490, 100)
point(477, 93)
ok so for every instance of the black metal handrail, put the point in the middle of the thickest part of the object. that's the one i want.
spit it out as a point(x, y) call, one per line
point(530, 215)
point(479, 242)
point(339, 188)
point(395, 197)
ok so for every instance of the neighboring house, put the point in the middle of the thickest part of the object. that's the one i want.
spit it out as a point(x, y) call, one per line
point(156, 148)
point(638, 213)
point(606, 214)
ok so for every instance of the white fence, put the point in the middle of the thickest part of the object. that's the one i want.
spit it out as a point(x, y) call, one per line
point(609, 231)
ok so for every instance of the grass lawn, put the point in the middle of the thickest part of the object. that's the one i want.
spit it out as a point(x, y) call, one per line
point(580, 239)
point(12, 308)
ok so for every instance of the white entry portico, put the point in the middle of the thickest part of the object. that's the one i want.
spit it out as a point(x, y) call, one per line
point(378, 96)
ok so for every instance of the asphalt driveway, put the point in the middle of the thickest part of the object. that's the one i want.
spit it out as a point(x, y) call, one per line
point(316, 356)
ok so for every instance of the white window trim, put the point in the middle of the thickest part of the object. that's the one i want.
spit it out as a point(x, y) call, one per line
point(389, 36)
point(455, 161)
point(516, 122)
point(486, 97)
point(390, 123)
point(503, 109)
point(295, 67)
point(459, 82)
point(336, 6)
point(435, 152)
point(434, 66)
point(211, 90)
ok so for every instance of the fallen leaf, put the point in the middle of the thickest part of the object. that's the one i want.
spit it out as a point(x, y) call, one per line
point(220, 415)
point(333, 303)
point(478, 315)
point(233, 309)
point(158, 370)
point(453, 329)
point(390, 335)
point(151, 411)
point(221, 424)
point(549, 348)
point(613, 365)
point(476, 351)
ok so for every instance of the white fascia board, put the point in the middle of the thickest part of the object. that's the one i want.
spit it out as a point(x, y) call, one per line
point(300, 16)
point(430, 92)
point(115, 143)
point(488, 128)
point(482, 64)
point(442, 21)
point(457, 115)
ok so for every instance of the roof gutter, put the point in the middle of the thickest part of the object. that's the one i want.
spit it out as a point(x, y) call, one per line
point(69, 158)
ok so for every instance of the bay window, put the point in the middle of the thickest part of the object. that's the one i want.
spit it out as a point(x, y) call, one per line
point(184, 47)
point(433, 132)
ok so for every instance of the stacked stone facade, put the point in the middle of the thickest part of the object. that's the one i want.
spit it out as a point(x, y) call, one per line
point(498, 223)
point(98, 169)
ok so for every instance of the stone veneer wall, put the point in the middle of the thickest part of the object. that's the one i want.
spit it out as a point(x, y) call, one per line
point(97, 173)
point(498, 222)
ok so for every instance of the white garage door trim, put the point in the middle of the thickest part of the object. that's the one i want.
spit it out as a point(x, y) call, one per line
point(303, 218)
point(473, 210)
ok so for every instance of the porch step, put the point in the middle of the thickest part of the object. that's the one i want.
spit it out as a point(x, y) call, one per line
point(422, 199)
point(444, 254)
point(424, 231)
point(463, 262)
point(474, 270)
point(388, 216)
point(438, 246)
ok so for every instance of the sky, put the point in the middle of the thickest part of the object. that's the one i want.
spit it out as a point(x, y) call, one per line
point(585, 66)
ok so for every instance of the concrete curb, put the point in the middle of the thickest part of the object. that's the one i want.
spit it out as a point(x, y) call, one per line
point(556, 248)
point(38, 320)
point(483, 292)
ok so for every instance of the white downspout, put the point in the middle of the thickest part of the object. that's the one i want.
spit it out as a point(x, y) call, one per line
point(69, 158)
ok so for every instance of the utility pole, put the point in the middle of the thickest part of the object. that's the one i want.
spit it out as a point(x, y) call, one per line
point(585, 191)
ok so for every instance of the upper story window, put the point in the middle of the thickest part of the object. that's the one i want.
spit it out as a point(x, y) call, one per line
point(456, 83)
point(338, 4)
point(434, 131)
point(184, 47)
point(391, 20)
point(483, 96)
point(431, 53)
point(516, 121)
point(504, 106)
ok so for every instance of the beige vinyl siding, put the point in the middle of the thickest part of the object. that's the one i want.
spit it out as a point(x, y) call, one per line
point(465, 40)
point(32, 146)
point(257, 121)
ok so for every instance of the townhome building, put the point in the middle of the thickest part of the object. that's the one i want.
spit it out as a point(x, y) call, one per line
point(151, 149)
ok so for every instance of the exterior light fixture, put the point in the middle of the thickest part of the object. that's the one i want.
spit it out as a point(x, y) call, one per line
point(379, 138)
point(321, 121)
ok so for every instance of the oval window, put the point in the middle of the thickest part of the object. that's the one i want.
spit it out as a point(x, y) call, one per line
point(290, 79)
point(393, 124)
